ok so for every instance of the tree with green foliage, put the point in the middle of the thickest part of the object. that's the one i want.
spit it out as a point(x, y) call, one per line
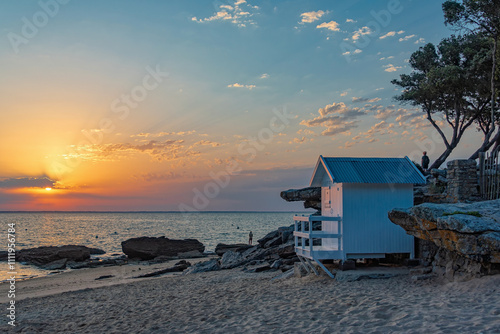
point(445, 82)
point(483, 17)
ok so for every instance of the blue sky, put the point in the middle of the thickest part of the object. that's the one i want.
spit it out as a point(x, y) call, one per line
point(225, 67)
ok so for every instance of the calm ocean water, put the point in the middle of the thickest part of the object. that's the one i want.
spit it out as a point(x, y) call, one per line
point(107, 230)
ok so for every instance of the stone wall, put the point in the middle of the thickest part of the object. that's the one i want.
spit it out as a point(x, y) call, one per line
point(462, 181)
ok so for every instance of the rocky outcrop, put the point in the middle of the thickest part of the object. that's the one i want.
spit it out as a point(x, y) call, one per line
point(467, 236)
point(220, 249)
point(44, 255)
point(147, 248)
point(274, 251)
point(311, 196)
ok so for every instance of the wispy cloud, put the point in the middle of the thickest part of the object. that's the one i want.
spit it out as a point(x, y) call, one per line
point(332, 26)
point(391, 34)
point(310, 17)
point(365, 99)
point(420, 41)
point(27, 182)
point(350, 21)
point(163, 134)
point(239, 13)
point(237, 85)
point(264, 76)
point(406, 38)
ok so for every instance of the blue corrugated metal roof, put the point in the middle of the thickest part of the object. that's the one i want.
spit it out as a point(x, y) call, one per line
point(372, 170)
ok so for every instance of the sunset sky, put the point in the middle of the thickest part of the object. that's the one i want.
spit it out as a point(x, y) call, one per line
point(206, 105)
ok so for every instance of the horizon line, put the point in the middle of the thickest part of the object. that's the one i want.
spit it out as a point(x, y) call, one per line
point(140, 211)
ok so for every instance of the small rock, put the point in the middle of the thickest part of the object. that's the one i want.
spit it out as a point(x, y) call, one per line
point(276, 264)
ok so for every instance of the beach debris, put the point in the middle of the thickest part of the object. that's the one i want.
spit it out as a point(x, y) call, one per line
point(147, 248)
point(104, 277)
point(464, 238)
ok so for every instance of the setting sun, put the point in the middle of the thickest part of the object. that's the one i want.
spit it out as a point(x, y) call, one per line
point(48, 189)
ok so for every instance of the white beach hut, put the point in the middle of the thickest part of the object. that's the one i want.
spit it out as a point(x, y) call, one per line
point(356, 195)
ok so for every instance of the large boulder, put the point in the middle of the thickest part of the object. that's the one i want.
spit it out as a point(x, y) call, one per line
point(469, 231)
point(221, 248)
point(147, 248)
point(44, 255)
point(311, 196)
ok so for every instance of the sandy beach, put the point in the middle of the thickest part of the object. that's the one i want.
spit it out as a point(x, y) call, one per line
point(234, 301)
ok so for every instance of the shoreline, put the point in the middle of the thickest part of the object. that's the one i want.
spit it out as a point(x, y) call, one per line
point(85, 278)
point(236, 301)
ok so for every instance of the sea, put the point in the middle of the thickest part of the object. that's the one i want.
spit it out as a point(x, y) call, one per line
point(106, 230)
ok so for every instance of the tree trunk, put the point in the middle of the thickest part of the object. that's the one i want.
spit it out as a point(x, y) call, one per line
point(486, 146)
point(439, 161)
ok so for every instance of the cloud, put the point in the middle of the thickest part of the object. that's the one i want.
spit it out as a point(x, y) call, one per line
point(391, 68)
point(237, 85)
point(310, 17)
point(239, 13)
point(365, 99)
point(336, 117)
point(384, 58)
point(332, 26)
point(352, 53)
point(343, 94)
point(27, 182)
point(391, 34)
point(420, 41)
point(163, 134)
point(361, 32)
point(350, 21)
point(158, 150)
point(264, 76)
point(402, 39)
